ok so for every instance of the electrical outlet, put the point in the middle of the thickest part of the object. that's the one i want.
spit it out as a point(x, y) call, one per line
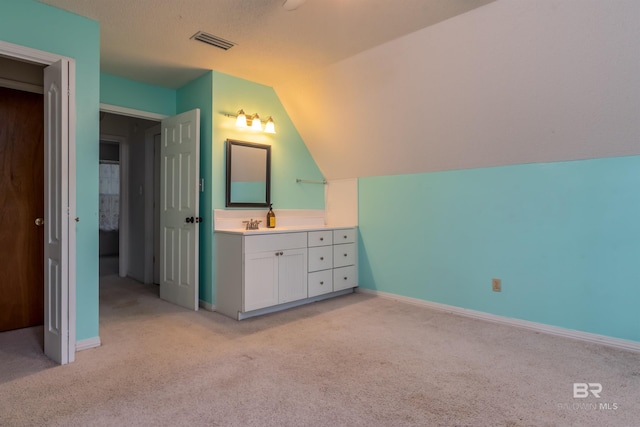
point(496, 285)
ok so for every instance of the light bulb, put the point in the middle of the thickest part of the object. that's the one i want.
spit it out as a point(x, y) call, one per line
point(256, 124)
point(270, 126)
point(241, 119)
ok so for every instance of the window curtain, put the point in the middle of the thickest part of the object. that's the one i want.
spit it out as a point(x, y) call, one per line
point(109, 196)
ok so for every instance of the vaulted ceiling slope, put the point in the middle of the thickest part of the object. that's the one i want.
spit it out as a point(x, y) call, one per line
point(378, 87)
point(149, 40)
point(511, 82)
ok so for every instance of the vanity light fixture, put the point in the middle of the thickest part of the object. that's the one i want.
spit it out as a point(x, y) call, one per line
point(252, 121)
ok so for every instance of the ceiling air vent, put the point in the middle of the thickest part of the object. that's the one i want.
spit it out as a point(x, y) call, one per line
point(213, 40)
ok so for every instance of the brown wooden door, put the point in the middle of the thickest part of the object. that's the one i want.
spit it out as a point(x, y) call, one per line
point(21, 202)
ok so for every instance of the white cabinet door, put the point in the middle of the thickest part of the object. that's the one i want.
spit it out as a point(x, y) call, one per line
point(260, 280)
point(292, 275)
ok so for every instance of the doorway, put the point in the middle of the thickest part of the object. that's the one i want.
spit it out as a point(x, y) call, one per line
point(127, 222)
point(109, 217)
point(59, 208)
point(22, 209)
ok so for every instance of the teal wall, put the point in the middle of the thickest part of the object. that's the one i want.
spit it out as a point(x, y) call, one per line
point(290, 158)
point(198, 94)
point(35, 25)
point(123, 92)
point(563, 237)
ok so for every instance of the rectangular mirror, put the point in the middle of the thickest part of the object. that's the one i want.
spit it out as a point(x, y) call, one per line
point(248, 174)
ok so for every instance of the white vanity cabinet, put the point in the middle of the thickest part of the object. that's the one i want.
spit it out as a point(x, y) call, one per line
point(274, 277)
point(259, 272)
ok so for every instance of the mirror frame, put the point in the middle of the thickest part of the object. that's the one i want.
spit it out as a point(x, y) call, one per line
point(228, 203)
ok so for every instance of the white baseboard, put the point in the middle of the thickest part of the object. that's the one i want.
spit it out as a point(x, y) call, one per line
point(88, 343)
point(207, 306)
point(539, 327)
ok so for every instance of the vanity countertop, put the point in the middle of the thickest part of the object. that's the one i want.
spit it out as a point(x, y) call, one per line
point(284, 229)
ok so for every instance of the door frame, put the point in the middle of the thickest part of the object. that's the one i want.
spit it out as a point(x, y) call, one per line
point(67, 302)
point(149, 208)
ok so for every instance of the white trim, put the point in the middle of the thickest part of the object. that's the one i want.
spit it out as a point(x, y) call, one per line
point(88, 343)
point(207, 306)
point(72, 218)
point(25, 87)
point(131, 112)
point(534, 326)
point(22, 53)
point(28, 54)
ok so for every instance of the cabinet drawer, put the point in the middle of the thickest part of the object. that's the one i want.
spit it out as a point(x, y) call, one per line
point(320, 282)
point(345, 235)
point(344, 255)
point(320, 258)
point(320, 238)
point(271, 242)
point(344, 278)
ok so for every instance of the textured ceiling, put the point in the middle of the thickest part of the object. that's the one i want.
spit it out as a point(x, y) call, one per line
point(149, 40)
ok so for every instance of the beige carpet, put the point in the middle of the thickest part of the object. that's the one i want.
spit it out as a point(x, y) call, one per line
point(351, 361)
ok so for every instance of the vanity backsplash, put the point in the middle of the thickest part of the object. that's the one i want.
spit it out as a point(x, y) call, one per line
point(225, 220)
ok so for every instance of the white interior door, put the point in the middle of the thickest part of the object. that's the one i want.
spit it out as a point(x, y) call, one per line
point(179, 208)
point(56, 205)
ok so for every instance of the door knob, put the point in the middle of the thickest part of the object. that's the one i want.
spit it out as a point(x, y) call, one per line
point(39, 222)
point(190, 219)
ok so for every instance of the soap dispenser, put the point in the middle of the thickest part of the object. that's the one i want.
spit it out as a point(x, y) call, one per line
point(271, 217)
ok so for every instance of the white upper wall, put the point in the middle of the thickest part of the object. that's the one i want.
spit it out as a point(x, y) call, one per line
point(510, 82)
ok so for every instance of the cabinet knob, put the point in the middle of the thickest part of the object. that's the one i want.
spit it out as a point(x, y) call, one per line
point(281, 253)
point(321, 239)
point(345, 254)
point(321, 258)
point(344, 237)
point(345, 278)
point(322, 283)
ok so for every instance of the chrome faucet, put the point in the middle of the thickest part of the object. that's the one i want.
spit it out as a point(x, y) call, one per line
point(252, 224)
